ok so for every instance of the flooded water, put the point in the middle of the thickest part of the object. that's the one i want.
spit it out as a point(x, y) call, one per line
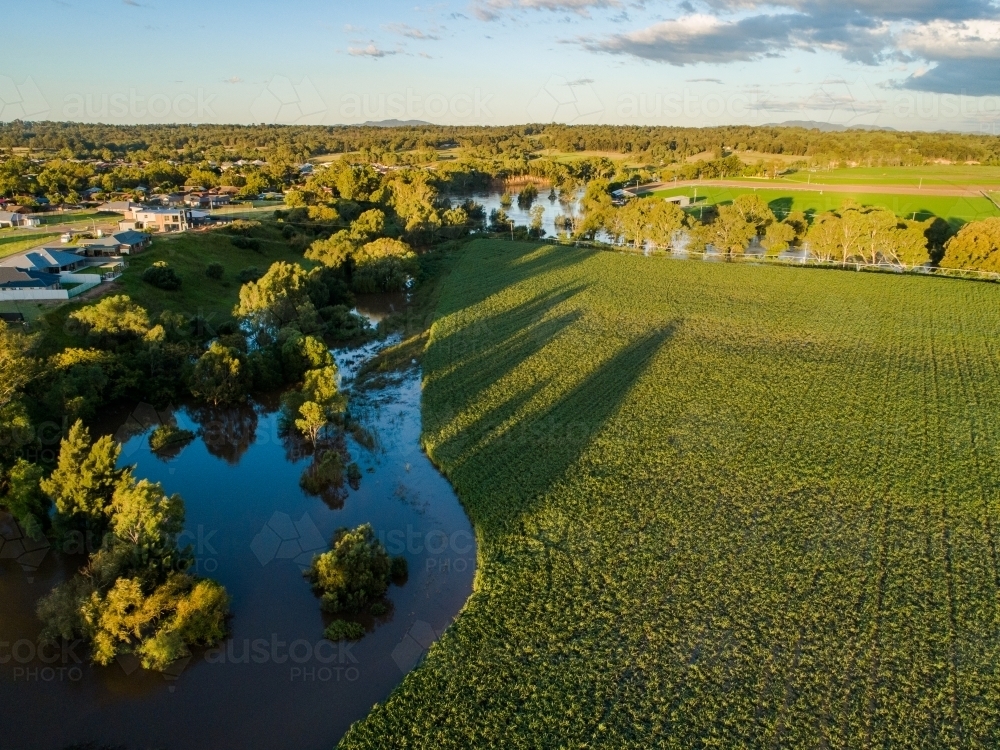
point(521, 215)
point(275, 682)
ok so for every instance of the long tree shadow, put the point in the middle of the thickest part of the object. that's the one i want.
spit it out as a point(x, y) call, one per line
point(482, 332)
point(520, 261)
point(513, 468)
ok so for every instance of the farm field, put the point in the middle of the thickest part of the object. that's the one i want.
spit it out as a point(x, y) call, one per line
point(717, 506)
point(956, 210)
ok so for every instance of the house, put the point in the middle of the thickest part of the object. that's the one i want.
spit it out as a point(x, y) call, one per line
point(119, 207)
point(206, 200)
point(20, 278)
point(120, 243)
point(44, 259)
point(12, 219)
point(162, 219)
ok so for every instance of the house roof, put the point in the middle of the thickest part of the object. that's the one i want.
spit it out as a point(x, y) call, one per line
point(118, 206)
point(40, 257)
point(129, 237)
point(19, 278)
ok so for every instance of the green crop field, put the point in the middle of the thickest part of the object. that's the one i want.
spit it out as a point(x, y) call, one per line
point(956, 210)
point(717, 505)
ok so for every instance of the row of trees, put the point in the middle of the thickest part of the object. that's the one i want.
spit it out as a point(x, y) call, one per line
point(294, 144)
point(854, 233)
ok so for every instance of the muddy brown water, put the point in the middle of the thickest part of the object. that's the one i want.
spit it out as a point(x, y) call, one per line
point(275, 682)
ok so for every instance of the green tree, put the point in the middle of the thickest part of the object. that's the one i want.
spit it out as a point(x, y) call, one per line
point(354, 573)
point(113, 318)
point(383, 265)
point(334, 251)
point(221, 376)
point(778, 237)
point(85, 477)
point(976, 246)
point(278, 298)
point(17, 366)
point(25, 499)
point(312, 419)
point(731, 232)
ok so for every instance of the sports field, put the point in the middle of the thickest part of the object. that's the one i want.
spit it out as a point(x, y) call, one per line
point(717, 506)
point(955, 209)
point(929, 175)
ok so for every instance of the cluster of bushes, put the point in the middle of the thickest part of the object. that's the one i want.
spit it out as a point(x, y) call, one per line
point(353, 577)
point(162, 276)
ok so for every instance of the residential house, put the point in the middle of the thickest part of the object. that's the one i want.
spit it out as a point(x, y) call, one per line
point(119, 207)
point(206, 200)
point(15, 219)
point(162, 219)
point(120, 243)
point(44, 259)
point(20, 278)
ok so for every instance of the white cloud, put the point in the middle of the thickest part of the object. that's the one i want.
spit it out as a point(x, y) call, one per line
point(372, 50)
point(488, 10)
point(953, 40)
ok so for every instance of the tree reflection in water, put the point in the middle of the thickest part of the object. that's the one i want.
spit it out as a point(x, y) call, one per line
point(227, 431)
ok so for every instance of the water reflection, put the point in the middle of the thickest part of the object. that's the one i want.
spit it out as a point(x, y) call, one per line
point(226, 431)
point(275, 681)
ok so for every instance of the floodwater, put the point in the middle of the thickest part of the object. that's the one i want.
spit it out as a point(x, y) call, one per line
point(275, 683)
point(489, 199)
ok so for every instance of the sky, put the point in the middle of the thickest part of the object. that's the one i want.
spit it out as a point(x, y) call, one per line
point(905, 64)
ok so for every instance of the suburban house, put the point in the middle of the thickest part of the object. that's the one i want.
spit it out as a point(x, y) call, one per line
point(206, 200)
point(14, 219)
point(20, 278)
point(162, 219)
point(46, 259)
point(120, 243)
point(119, 207)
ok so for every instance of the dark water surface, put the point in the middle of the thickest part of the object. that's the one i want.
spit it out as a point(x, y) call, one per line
point(276, 683)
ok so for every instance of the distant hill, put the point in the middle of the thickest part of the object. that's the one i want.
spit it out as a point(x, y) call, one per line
point(826, 127)
point(394, 123)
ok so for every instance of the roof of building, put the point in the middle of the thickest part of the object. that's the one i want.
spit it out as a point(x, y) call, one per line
point(118, 206)
point(40, 257)
point(19, 278)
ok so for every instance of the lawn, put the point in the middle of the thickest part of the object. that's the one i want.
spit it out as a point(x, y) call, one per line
point(12, 242)
point(190, 254)
point(959, 175)
point(955, 210)
point(717, 505)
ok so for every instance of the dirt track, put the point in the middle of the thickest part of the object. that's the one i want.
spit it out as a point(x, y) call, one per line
point(969, 191)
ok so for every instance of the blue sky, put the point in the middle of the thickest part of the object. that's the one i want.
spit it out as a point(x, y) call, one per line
point(915, 64)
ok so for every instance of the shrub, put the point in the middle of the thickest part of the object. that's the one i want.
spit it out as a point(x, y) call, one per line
point(352, 575)
point(162, 276)
point(252, 273)
point(169, 436)
point(342, 630)
point(246, 243)
point(215, 271)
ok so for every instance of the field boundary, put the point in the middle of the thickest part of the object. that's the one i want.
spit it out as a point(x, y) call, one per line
point(756, 259)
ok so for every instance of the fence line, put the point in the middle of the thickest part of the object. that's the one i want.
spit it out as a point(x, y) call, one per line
point(958, 273)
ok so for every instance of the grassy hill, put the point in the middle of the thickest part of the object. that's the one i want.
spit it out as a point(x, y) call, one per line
point(717, 506)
